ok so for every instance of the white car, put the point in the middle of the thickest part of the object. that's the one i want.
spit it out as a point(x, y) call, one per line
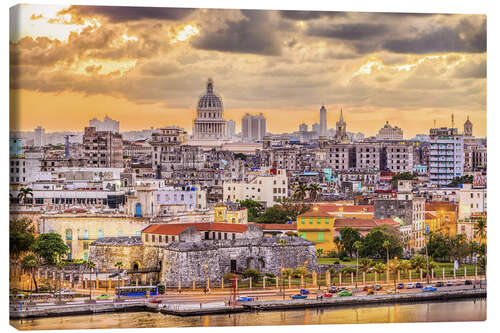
point(410, 286)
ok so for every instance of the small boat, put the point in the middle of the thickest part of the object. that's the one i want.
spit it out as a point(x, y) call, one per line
point(299, 296)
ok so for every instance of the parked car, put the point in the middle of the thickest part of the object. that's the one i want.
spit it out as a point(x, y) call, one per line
point(327, 295)
point(366, 288)
point(390, 291)
point(401, 285)
point(468, 282)
point(428, 288)
point(103, 296)
point(298, 296)
point(370, 292)
point(377, 287)
point(345, 293)
point(449, 283)
point(419, 285)
point(334, 290)
point(439, 284)
point(410, 286)
point(244, 299)
point(304, 291)
point(155, 300)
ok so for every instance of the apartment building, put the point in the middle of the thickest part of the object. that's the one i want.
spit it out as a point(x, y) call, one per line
point(102, 149)
point(446, 156)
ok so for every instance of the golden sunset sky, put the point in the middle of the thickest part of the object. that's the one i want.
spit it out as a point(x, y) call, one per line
point(146, 67)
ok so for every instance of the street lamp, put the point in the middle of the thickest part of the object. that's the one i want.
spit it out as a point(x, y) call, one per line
point(206, 285)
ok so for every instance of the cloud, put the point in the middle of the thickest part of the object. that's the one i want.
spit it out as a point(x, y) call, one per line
point(93, 69)
point(36, 17)
point(254, 34)
point(124, 13)
point(156, 68)
point(348, 31)
point(471, 70)
point(464, 37)
point(306, 15)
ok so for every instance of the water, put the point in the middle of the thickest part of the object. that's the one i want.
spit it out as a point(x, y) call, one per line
point(463, 310)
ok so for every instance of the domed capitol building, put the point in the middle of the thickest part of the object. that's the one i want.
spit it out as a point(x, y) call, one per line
point(209, 123)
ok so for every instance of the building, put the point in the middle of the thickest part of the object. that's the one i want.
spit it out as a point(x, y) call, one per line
point(253, 127)
point(209, 123)
point(163, 141)
point(39, 137)
point(471, 201)
point(303, 128)
point(468, 127)
point(230, 213)
point(369, 156)
point(15, 147)
point(266, 186)
point(390, 133)
point(341, 129)
point(323, 127)
point(79, 229)
point(441, 216)
point(201, 254)
point(106, 125)
point(399, 158)
point(446, 156)
point(102, 149)
point(340, 156)
point(231, 129)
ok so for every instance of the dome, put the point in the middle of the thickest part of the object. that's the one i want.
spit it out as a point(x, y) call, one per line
point(210, 100)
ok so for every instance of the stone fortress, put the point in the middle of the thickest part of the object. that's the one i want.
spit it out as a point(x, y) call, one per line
point(198, 252)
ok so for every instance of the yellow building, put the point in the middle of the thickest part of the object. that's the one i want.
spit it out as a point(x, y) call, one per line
point(317, 227)
point(441, 217)
point(223, 214)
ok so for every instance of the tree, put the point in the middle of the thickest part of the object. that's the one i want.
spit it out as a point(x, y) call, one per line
point(90, 266)
point(319, 252)
point(379, 268)
point(253, 273)
point(301, 192)
point(480, 228)
point(349, 236)
point(21, 236)
point(119, 265)
point(365, 264)
point(459, 247)
point(60, 265)
point(283, 212)
point(347, 270)
point(314, 191)
point(374, 240)
point(300, 271)
point(418, 262)
point(283, 243)
point(461, 180)
point(253, 207)
point(50, 247)
point(24, 193)
point(338, 243)
point(439, 245)
point(29, 263)
point(403, 176)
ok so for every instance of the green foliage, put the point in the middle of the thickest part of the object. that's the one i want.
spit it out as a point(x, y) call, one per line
point(439, 245)
point(283, 212)
point(254, 209)
point(287, 272)
point(314, 191)
point(418, 262)
point(373, 242)
point(348, 270)
point(348, 237)
point(253, 273)
point(50, 247)
point(29, 263)
point(24, 193)
point(365, 264)
point(299, 271)
point(301, 192)
point(403, 176)
point(229, 276)
point(319, 252)
point(240, 156)
point(161, 289)
point(461, 180)
point(379, 268)
point(271, 275)
point(21, 236)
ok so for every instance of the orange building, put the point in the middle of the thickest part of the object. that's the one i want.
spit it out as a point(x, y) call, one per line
point(441, 216)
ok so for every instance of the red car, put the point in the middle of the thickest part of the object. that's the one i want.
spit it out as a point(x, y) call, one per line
point(155, 300)
point(327, 295)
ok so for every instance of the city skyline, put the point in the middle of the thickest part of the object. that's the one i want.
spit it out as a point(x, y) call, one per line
point(375, 66)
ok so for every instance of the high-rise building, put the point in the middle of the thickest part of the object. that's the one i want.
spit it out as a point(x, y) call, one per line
point(315, 128)
point(107, 125)
point(209, 123)
point(468, 127)
point(303, 128)
point(230, 128)
point(102, 149)
point(322, 122)
point(446, 155)
point(340, 134)
point(38, 140)
point(390, 133)
point(253, 127)
point(162, 141)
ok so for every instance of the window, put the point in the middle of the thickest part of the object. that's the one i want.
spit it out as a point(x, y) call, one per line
point(100, 234)
point(310, 221)
point(303, 235)
point(120, 233)
point(153, 238)
point(146, 238)
point(303, 221)
point(320, 235)
point(319, 221)
point(326, 220)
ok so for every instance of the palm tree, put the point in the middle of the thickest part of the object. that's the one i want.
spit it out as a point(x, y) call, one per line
point(480, 228)
point(319, 252)
point(60, 265)
point(379, 267)
point(404, 266)
point(119, 264)
point(90, 265)
point(314, 190)
point(24, 193)
point(338, 243)
point(357, 245)
point(365, 264)
point(282, 243)
point(394, 267)
point(301, 192)
point(387, 244)
point(29, 263)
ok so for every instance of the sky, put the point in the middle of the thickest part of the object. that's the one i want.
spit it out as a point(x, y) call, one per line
point(147, 67)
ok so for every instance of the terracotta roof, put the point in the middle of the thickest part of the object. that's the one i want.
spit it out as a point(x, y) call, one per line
point(364, 223)
point(176, 228)
point(429, 216)
point(277, 226)
point(332, 210)
point(440, 205)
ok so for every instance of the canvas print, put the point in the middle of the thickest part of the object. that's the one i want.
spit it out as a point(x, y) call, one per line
point(223, 167)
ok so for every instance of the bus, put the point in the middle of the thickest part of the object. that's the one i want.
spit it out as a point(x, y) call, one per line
point(137, 291)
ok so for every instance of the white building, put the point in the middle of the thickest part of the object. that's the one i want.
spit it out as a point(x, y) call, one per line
point(107, 125)
point(446, 156)
point(267, 187)
point(39, 138)
point(253, 127)
point(323, 127)
point(390, 133)
point(25, 170)
point(471, 201)
point(210, 123)
point(399, 158)
point(231, 129)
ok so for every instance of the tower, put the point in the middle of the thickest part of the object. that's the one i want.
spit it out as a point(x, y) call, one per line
point(322, 121)
point(340, 134)
point(468, 127)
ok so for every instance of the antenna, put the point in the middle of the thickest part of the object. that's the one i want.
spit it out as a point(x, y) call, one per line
point(434, 123)
point(452, 121)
